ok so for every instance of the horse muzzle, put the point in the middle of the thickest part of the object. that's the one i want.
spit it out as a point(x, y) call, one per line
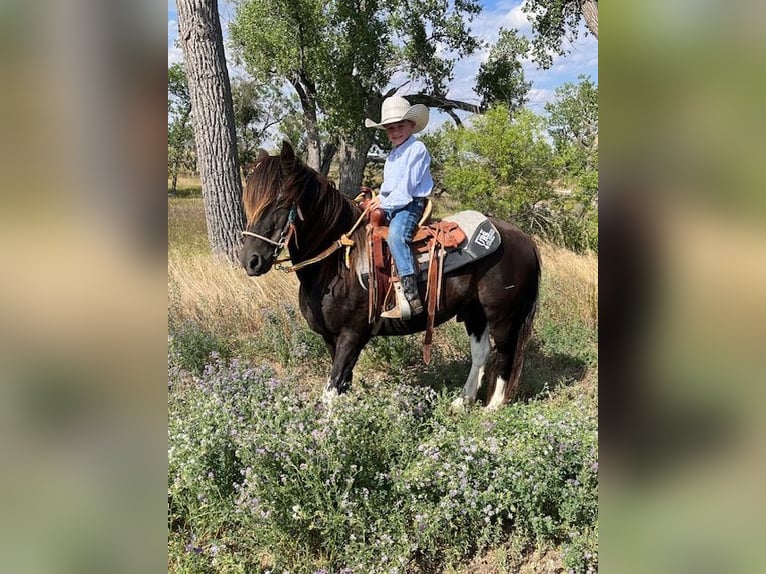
point(255, 264)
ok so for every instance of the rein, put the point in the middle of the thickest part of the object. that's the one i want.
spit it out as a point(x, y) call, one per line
point(344, 241)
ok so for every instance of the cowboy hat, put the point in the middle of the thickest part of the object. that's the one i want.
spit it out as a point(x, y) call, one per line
point(395, 109)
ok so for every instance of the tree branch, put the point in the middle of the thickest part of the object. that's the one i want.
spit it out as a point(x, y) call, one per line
point(443, 103)
point(454, 117)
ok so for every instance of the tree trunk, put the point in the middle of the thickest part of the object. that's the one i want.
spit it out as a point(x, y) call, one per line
point(199, 30)
point(328, 153)
point(352, 157)
point(590, 14)
point(307, 99)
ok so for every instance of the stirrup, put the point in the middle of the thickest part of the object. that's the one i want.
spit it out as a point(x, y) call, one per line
point(402, 308)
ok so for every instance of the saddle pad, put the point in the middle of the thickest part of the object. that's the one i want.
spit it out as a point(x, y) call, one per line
point(482, 239)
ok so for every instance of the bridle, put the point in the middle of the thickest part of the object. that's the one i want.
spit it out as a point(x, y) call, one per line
point(284, 237)
point(288, 231)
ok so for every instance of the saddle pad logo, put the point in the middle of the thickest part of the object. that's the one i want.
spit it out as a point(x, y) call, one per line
point(486, 237)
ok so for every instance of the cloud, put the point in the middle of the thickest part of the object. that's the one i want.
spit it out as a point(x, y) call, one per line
point(539, 97)
point(516, 18)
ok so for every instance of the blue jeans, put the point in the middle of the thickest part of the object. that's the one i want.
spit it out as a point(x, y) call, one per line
point(402, 223)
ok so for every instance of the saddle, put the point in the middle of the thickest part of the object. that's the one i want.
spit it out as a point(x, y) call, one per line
point(430, 243)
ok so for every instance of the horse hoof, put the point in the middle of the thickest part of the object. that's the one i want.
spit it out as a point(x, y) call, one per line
point(459, 405)
point(494, 406)
point(329, 396)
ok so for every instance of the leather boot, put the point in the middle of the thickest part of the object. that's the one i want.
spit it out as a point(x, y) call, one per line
point(410, 285)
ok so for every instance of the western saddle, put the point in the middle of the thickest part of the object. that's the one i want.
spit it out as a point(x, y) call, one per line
point(433, 237)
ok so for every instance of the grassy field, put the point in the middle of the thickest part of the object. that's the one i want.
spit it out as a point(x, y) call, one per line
point(262, 478)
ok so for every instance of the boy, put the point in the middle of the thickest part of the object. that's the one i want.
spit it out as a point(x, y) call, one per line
point(407, 183)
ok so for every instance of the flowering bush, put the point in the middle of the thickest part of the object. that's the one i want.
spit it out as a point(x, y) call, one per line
point(262, 478)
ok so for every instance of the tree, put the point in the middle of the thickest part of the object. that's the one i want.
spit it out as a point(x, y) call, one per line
point(501, 77)
point(201, 40)
point(258, 108)
point(340, 56)
point(501, 165)
point(180, 132)
point(554, 20)
point(573, 123)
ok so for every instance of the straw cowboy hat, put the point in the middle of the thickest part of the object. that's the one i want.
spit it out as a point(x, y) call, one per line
point(396, 109)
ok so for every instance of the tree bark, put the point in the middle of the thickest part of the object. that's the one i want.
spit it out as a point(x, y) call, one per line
point(199, 30)
point(307, 98)
point(328, 153)
point(352, 155)
point(590, 14)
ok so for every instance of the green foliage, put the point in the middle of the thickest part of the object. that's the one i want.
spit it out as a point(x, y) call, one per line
point(192, 346)
point(501, 78)
point(181, 154)
point(178, 88)
point(553, 21)
point(573, 121)
point(501, 165)
point(340, 55)
point(572, 221)
point(285, 338)
point(258, 107)
point(388, 480)
point(395, 354)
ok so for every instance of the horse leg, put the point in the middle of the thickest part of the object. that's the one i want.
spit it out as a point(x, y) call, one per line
point(478, 334)
point(347, 347)
point(508, 359)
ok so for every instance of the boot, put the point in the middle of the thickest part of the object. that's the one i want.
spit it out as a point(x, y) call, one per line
point(410, 285)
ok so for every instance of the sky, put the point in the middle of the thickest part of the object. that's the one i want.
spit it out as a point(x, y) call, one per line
point(582, 59)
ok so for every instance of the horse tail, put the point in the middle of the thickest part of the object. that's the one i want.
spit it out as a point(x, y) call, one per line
point(529, 310)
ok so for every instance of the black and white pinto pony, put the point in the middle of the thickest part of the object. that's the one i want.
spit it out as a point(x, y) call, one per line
point(289, 204)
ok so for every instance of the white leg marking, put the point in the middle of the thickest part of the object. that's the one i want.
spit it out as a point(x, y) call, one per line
point(479, 353)
point(330, 393)
point(498, 397)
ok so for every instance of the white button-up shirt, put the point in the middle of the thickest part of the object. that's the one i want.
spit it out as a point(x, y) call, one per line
point(406, 174)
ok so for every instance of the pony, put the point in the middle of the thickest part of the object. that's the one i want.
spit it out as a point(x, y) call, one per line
point(288, 204)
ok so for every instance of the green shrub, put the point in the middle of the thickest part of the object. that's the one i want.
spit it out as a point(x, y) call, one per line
point(285, 337)
point(388, 480)
point(503, 165)
point(395, 354)
point(193, 346)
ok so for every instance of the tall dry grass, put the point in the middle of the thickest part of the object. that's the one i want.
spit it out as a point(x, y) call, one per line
point(221, 296)
point(569, 291)
point(206, 291)
point(187, 186)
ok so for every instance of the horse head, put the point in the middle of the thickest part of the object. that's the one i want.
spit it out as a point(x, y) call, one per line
point(271, 208)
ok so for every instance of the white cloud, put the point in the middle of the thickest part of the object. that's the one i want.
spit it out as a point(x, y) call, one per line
point(539, 97)
point(515, 18)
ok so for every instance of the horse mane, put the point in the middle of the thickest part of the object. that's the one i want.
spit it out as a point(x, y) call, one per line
point(271, 181)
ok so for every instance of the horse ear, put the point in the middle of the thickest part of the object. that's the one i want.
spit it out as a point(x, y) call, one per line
point(287, 156)
point(262, 153)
